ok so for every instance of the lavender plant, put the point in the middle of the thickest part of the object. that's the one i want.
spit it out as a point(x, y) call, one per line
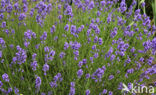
point(90, 47)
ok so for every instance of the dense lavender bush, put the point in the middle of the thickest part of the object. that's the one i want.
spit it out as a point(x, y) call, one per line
point(87, 48)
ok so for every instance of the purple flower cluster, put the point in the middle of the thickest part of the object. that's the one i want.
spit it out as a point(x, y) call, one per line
point(122, 6)
point(43, 10)
point(79, 73)
point(37, 83)
point(2, 43)
point(68, 11)
point(22, 16)
point(1, 84)
point(50, 53)
point(114, 32)
point(45, 68)
point(122, 47)
point(28, 36)
point(5, 77)
point(98, 74)
point(87, 92)
point(3, 24)
point(53, 29)
point(0, 54)
point(44, 36)
point(72, 88)
point(57, 78)
point(20, 56)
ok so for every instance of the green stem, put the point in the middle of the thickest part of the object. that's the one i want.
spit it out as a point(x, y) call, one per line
point(154, 12)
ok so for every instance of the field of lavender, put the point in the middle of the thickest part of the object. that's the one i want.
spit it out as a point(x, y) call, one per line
point(86, 47)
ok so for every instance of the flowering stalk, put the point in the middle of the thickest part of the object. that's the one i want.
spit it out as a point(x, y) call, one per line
point(154, 10)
